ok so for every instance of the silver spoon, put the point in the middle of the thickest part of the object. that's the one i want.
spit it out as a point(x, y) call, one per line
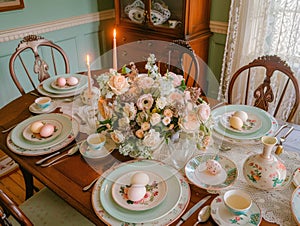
point(203, 214)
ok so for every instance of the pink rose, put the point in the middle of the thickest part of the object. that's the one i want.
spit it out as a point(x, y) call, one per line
point(177, 79)
point(118, 84)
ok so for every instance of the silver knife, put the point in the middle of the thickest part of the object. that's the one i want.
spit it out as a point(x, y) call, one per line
point(192, 210)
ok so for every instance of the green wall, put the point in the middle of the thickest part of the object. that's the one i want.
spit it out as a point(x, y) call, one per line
point(77, 41)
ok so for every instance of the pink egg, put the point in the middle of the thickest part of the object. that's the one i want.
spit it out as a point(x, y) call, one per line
point(47, 130)
point(72, 81)
point(61, 81)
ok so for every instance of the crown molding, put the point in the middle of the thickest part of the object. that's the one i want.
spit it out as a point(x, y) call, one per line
point(218, 27)
point(20, 32)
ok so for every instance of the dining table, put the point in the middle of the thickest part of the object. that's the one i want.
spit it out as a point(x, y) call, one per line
point(68, 176)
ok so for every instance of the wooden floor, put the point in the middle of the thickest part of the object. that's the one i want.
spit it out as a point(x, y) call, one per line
point(13, 185)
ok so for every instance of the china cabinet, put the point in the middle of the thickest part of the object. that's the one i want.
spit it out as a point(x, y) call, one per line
point(165, 20)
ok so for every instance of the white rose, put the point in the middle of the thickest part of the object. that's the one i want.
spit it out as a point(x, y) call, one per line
point(130, 110)
point(203, 112)
point(155, 119)
point(161, 102)
point(117, 136)
point(144, 82)
point(152, 139)
point(166, 121)
point(118, 84)
point(123, 123)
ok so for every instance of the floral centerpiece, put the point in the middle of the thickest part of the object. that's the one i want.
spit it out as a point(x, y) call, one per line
point(140, 111)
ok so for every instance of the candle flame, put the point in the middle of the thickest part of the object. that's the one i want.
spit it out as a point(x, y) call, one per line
point(115, 33)
point(87, 59)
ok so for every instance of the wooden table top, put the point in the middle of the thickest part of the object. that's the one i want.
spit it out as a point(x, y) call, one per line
point(69, 176)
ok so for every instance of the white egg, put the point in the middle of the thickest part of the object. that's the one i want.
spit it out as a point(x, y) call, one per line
point(242, 115)
point(140, 178)
point(61, 82)
point(36, 127)
point(72, 81)
point(136, 192)
point(47, 130)
point(235, 122)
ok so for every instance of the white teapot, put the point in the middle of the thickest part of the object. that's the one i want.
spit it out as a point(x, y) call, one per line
point(265, 171)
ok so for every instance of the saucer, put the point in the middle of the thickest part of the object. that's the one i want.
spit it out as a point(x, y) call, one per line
point(222, 216)
point(196, 172)
point(296, 177)
point(35, 109)
point(156, 191)
point(295, 204)
point(88, 152)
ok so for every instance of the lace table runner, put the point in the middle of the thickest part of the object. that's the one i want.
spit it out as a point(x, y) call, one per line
point(275, 205)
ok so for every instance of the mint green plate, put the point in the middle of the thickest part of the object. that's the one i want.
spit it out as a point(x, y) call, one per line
point(268, 127)
point(47, 84)
point(19, 140)
point(178, 193)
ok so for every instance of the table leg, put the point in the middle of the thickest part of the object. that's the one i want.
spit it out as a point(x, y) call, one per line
point(28, 178)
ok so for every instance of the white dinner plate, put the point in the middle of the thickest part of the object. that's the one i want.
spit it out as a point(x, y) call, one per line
point(268, 127)
point(167, 212)
point(295, 204)
point(222, 216)
point(36, 138)
point(43, 151)
point(19, 140)
point(47, 84)
point(252, 124)
point(196, 172)
point(36, 110)
point(156, 191)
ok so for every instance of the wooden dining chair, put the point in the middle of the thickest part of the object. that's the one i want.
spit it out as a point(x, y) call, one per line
point(38, 59)
point(44, 208)
point(268, 83)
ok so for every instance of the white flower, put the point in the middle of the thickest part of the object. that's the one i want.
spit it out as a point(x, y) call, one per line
point(175, 98)
point(118, 84)
point(203, 112)
point(123, 123)
point(144, 82)
point(130, 110)
point(145, 102)
point(117, 136)
point(161, 102)
point(166, 121)
point(152, 139)
point(155, 119)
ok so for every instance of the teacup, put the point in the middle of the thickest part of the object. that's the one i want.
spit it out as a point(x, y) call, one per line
point(96, 141)
point(237, 201)
point(43, 102)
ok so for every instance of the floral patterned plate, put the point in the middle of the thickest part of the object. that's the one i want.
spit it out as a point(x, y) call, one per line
point(196, 172)
point(19, 140)
point(167, 212)
point(222, 216)
point(269, 123)
point(295, 204)
point(43, 151)
point(36, 138)
point(156, 192)
point(252, 124)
